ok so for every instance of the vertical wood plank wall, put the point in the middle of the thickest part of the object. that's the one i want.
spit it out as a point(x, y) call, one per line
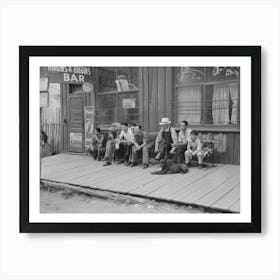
point(161, 93)
point(155, 95)
point(145, 97)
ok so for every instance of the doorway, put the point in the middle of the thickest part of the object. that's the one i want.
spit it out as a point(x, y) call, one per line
point(76, 103)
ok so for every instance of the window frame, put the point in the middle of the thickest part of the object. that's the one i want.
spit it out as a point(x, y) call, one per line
point(116, 94)
point(203, 126)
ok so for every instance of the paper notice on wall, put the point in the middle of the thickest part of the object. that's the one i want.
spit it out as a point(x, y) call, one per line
point(89, 125)
point(128, 103)
point(76, 140)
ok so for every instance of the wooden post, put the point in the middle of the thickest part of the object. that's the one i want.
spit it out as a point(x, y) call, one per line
point(170, 93)
point(140, 96)
point(161, 93)
point(146, 99)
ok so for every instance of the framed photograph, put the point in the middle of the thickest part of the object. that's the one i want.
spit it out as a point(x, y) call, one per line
point(140, 139)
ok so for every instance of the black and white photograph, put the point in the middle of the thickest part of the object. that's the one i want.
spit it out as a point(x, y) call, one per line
point(140, 139)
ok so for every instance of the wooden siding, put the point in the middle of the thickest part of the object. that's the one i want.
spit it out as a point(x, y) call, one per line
point(155, 95)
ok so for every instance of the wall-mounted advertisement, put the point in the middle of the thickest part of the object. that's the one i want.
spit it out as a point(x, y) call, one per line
point(89, 125)
point(76, 140)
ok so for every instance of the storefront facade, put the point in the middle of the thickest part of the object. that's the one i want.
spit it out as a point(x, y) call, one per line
point(68, 97)
point(207, 97)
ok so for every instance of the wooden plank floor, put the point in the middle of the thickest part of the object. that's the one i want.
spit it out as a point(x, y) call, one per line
point(217, 187)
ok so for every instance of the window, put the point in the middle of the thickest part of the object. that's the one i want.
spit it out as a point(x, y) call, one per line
point(207, 95)
point(117, 95)
point(224, 103)
point(128, 110)
point(106, 106)
point(188, 105)
point(73, 88)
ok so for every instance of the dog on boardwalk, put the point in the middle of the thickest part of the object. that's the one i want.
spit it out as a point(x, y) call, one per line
point(169, 167)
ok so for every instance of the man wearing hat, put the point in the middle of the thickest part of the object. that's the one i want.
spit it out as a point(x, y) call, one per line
point(166, 137)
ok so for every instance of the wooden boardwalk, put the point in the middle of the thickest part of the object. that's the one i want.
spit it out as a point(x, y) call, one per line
point(216, 187)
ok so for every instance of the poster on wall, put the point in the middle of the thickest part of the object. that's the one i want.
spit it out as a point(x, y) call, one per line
point(76, 140)
point(89, 125)
point(129, 103)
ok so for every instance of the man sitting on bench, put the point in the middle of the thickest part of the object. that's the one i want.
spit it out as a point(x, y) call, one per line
point(110, 145)
point(194, 150)
point(208, 149)
point(137, 146)
point(182, 144)
point(124, 144)
point(165, 138)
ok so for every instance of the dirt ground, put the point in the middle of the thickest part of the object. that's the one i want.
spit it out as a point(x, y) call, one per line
point(68, 201)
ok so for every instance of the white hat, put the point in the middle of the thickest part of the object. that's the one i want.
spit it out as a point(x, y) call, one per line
point(165, 121)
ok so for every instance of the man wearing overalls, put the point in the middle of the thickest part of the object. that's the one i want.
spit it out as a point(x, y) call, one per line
point(165, 138)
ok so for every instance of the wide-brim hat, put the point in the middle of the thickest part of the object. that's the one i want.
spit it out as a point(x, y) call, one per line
point(165, 121)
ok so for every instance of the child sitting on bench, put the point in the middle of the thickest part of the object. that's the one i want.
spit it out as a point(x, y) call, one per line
point(208, 149)
point(194, 149)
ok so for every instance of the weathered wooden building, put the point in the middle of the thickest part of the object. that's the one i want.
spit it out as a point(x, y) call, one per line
point(76, 99)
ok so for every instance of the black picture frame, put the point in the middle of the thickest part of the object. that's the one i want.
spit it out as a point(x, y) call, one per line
point(25, 52)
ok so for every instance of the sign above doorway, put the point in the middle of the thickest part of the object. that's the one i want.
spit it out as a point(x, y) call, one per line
point(73, 75)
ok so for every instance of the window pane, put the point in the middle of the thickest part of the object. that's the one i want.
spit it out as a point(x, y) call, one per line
point(188, 75)
point(105, 109)
point(128, 108)
point(128, 77)
point(73, 88)
point(222, 104)
point(188, 105)
point(106, 79)
point(222, 73)
point(235, 103)
point(117, 79)
point(134, 77)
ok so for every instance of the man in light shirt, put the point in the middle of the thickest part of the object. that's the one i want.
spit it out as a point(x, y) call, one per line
point(124, 144)
point(165, 138)
point(182, 144)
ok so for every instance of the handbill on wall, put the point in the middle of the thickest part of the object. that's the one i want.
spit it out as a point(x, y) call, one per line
point(89, 124)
